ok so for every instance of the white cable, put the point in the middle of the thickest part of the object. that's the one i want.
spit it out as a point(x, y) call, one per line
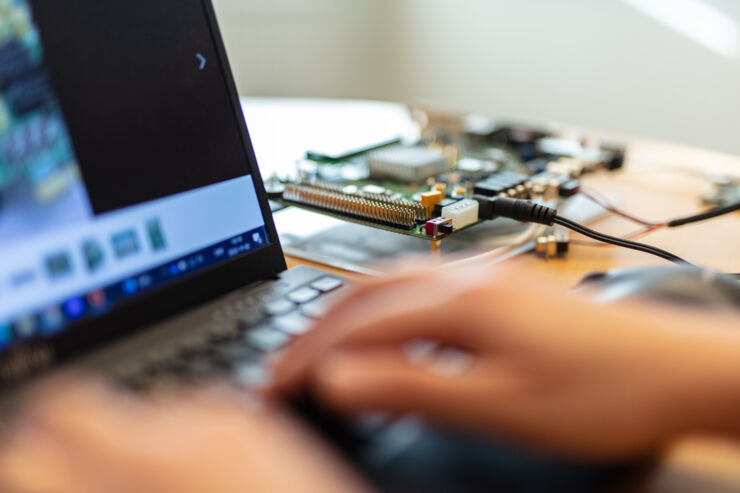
point(526, 236)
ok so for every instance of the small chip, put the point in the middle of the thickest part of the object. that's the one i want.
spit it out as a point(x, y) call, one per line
point(569, 188)
point(430, 199)
point(374, 189)
point(412, 164)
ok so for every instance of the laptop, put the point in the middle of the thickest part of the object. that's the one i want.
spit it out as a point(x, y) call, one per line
point(136, 238)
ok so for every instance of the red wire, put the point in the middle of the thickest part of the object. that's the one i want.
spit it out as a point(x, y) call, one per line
point(614, 210)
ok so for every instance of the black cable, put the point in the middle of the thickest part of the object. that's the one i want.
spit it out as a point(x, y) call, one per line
point(674, 223)
point(711, 213)
point(531, 212)
point(633, 245)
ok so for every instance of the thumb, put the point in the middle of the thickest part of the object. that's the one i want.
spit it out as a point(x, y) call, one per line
point(383, 379)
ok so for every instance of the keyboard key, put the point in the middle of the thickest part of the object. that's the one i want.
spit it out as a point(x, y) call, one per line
point(201, 367)
point(293, 323)
point(164, 382)
point(250, 318)
point(194, 344)
point(303, 295)
point(266, 339)
point(238, 353)
point(160, 355)
point(129, 370)
point(316, 308)
point(279, 307)
point(224, 332)
point(251, 374)
point(327, 284)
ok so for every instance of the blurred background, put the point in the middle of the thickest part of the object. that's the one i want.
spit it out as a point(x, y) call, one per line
point(665, 69)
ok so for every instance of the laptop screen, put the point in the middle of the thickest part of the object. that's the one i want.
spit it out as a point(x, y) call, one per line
point(122, 164)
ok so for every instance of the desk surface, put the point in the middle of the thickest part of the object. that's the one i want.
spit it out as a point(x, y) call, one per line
point(659, 182)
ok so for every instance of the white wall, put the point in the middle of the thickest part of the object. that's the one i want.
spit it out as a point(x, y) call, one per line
point(315, 48)
point(596, 63)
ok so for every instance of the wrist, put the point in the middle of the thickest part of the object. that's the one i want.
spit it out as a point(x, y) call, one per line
point(707, 385)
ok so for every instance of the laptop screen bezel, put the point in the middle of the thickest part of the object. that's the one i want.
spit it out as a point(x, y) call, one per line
point(178, 295)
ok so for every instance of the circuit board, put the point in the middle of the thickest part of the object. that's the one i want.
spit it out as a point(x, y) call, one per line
point(430, 189)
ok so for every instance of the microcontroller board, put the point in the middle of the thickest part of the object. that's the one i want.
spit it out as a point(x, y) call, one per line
point(428, 189)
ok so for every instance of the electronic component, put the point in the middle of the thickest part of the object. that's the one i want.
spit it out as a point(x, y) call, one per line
point(441, 187)
point(373, 189)
point(343, 151)
point(614, 156)
point(572, 168)
point(569, 188)
point(409, 164)
point(551, 185)
point(430, 199)
point(725, 191)
point(432, 226)
point(471, 169)
point(459, 192)
point(446, 228)
point(555, 242)
point(444, 203)
point(462, 213)
point(506, 183)
point(546, 246)
point(610, 157)
point(380, 209)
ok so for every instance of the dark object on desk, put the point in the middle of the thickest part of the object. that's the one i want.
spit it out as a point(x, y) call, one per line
point(684, 285)
point(404, 454)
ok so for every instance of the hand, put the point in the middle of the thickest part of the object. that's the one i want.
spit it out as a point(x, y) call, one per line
point(549, 369)
point(79, 437)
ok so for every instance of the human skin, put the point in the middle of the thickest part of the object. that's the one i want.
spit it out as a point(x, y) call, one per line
point(546, 368)
point(77, 435)
point(550, 369)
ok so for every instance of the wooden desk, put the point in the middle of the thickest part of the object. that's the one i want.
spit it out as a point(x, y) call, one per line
point(651, 187)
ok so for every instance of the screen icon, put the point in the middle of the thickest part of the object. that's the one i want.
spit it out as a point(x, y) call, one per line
point(257, 238)
point(93, 253)
point(25, 327)
point(125, 243)
point(145, 280)
point(51, 320)
point(201, 61)
point(130, 286)
point(96, 299)
point(74, 308)
point(156, 235)
point(6, 335)
point(59, 265)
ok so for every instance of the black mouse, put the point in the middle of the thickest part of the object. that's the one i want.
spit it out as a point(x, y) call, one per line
point(683, 285)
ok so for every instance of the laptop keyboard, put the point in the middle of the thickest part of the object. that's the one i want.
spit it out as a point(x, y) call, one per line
point(241, 334)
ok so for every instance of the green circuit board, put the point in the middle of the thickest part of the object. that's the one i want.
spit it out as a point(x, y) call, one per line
point(403, 188)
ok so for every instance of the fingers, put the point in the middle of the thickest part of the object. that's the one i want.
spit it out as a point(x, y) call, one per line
point(449, 305)
point(60, 414)
point(386, 317)
point(27, 452)
point(367, 380)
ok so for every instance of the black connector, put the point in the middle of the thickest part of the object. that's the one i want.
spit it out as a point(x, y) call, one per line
point(518, 209)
